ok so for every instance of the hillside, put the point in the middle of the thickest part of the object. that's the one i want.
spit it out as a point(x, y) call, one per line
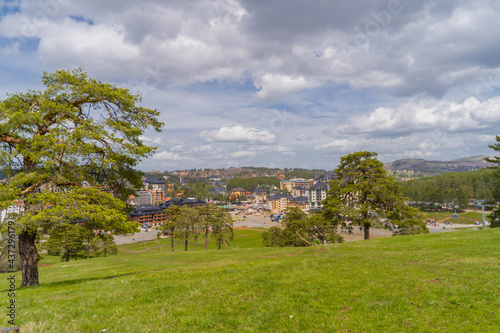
point(421, 166)
point(444, 282)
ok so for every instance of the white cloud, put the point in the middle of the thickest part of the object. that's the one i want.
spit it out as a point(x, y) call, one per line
point(239, 134)
point(423, 114)
point(168, 156)
point(274, 86)
point(243, 154)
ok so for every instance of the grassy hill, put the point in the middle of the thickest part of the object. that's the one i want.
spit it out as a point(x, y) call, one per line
point(445, 282)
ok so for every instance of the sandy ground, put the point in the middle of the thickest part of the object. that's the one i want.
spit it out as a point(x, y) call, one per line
point(264, 221)
point(137, 237)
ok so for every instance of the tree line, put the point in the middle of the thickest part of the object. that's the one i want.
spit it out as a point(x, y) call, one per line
point(457, 188)
point(250, 184)
point(187, 223)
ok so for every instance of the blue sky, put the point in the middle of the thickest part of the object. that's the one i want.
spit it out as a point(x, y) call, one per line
point(279, 83)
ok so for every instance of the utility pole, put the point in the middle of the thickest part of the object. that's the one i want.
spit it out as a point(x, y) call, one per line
point(484, 221)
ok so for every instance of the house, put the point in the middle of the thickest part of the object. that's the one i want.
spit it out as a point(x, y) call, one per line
point(325, 177)
point(237, 192)
point(213, 178)
point(273, 191)
point(260, 194)
point(218, 190)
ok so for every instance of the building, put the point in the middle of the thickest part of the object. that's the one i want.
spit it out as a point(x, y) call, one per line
point(317, 194)
point(141, 198)
point(288, 185)
point(155, 183)
point(237, 192)
point(154, 216)
point(278, 203)
point(213, 178)
point(13, 209)
point(325, 177)
point(218, 190)
point(273, 191)
point(190, 202)
point(300, 191)
point(300, 202)
point(157, 196)
point(260, 194)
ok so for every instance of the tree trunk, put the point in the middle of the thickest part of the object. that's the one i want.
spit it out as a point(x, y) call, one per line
point(206, 239)
point(172, 242)
point(367, 230)
point(220, 243)
point(28, 257)
point(186, 245)
point(66, 256)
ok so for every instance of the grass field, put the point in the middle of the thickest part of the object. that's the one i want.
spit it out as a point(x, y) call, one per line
point(444, 282)
point(463, 218)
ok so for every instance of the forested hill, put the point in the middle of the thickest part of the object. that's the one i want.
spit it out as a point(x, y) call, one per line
point(425, 167)
point(457, 187)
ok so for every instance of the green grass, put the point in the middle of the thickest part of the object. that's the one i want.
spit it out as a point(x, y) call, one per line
point(463, 218)
point(444, 282)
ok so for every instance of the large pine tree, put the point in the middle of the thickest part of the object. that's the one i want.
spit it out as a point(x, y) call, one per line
point(78, 132)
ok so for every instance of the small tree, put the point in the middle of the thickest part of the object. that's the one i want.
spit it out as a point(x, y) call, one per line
point(104, 245)
point(407, 220)
point(274, 237)
point(222, 226)
point(324, 229)
point(66, 240)
point(297, 227)
point(170, 225)
point(185, 226)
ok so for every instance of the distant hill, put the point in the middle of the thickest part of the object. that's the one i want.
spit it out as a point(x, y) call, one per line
point(419, 165)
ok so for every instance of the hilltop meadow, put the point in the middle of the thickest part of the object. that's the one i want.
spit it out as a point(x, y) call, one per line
point(443, 282)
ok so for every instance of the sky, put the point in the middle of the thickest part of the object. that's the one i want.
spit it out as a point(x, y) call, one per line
point(275, 83)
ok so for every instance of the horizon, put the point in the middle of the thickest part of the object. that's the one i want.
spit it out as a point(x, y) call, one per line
point(310, 169)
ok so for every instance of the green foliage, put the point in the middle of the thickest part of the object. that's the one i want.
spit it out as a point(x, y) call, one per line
point(494, 217)
point(250, 184)
point(303, 173)
point(362, 191)
point(407, 220)
point(274, 237)
point(104, 245)
point(455, 188)
point(77, 130)
point(188, 223)
point(299, 229)
point(66, 240)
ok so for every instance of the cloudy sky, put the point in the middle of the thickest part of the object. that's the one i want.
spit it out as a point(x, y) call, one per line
point(277, 83)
